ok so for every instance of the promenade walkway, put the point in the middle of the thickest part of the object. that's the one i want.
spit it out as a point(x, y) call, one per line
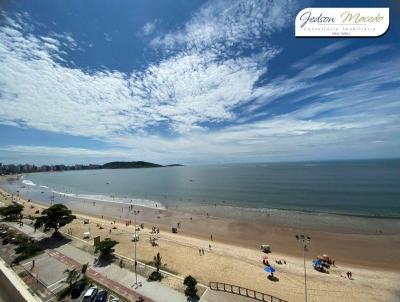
point(28, 230)
point(118, 279)
point(124, 291)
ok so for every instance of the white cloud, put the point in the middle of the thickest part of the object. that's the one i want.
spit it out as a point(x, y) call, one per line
point(63, 151)
point(184, 90)
point(221, 24)
point(149, 28)
point(321, 53)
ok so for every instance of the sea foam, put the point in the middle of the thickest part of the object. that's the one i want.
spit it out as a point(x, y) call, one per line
point(28, 182)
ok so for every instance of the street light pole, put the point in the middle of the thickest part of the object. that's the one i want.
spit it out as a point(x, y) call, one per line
point(135, 238)
point(305, 242)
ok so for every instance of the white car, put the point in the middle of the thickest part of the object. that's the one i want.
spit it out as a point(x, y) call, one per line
point(113, 299)
point(90, 294)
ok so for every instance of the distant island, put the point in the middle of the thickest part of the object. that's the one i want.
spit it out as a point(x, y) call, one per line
point(26, 168)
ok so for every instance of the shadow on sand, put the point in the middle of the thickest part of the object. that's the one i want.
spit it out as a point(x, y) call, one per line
point(273, 278)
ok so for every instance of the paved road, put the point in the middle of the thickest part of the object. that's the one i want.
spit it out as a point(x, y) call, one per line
point(4, 297)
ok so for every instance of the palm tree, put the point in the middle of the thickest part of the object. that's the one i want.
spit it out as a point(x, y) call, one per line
point(191, 290)
point(157, 262)
point(73, 275)
point(84, 268)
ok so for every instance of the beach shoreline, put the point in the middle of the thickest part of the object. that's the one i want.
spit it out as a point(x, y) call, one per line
point(235, 257)
point(347, 223)
point(365, 249)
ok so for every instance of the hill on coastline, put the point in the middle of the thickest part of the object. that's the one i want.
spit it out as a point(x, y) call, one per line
point(129, 165)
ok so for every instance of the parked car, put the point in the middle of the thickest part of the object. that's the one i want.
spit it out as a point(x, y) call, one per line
point(90, 294)
point(101, 296)
point(113, 299)
point(14, 240)
point(10, 239)
point(77, 289)
point(3, 233)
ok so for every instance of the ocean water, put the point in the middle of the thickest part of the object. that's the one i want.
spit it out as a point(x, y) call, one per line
point(365, 188)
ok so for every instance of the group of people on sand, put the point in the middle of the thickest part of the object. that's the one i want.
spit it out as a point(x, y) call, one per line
point(155, 230)
point(201, 251)
point(349, 275)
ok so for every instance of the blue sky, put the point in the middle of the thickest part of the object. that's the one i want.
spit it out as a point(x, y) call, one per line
point(191, 82)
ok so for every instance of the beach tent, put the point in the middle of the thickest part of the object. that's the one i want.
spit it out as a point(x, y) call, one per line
point(269, 269)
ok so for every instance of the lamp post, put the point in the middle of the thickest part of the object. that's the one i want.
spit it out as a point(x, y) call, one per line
point(305, 241)
point(135, 212)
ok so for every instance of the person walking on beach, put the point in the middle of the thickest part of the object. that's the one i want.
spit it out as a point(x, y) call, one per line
point(211, 238)
point(200, 252)
point(209, 246)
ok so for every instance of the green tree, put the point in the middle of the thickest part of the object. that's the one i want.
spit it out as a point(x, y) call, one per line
point(54, 217)
point(73, 275)
point(26, 248)
point(191, 290)
point(105, 248)
point(12, 211)
point(157, 262)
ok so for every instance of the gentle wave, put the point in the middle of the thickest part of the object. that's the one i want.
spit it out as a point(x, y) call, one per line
point(28, 182)
point(134, 201)
point(46, 187)
point(63, 194)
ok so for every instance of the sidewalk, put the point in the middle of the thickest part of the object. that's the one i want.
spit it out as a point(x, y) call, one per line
point(118, 279)
point(27, 229)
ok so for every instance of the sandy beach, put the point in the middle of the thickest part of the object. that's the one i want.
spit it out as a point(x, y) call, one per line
point(235, 257)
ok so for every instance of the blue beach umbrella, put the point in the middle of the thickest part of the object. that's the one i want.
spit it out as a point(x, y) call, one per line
point(269, 269)
point(316, 262)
